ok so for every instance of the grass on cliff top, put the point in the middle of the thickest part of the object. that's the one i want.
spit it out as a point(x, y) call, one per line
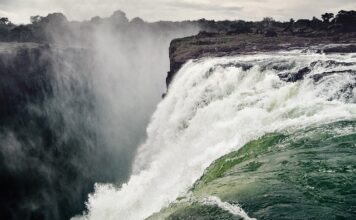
point(251, 150)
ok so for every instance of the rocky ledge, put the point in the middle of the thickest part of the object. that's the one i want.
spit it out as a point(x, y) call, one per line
point(225, 44)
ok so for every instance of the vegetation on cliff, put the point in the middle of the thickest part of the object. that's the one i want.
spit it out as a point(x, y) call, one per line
point(42, 28)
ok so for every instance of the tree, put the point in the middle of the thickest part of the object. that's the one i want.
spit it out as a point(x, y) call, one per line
point(347, 18)
point(95, 20)
point(326, 17)
point(119, 17)
point(267, 22)
point(240, 27)
point(56, 19)
point(4, 21)
point(36, 19)
point(22, 33)
point(316, 23)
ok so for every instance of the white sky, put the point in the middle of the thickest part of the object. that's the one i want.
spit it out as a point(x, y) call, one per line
point(19, 11)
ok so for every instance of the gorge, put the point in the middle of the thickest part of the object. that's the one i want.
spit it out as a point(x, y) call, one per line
point(256, 120)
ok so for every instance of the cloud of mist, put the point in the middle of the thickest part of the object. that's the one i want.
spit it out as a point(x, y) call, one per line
point(130, 62)
point(76, 110)
point(120, 79)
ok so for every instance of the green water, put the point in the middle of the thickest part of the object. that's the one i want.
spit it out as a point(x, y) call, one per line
point(201, 212)
point(307, 174)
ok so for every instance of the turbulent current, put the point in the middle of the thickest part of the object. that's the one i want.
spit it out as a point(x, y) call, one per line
point(215, 106)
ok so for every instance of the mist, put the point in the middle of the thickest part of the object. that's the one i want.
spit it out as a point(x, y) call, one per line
point(95, 85)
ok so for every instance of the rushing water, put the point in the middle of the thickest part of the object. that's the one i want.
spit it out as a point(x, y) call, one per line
point(305, 174)
point(216, 105)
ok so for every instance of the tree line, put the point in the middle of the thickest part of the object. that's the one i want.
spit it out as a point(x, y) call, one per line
point(42, 29)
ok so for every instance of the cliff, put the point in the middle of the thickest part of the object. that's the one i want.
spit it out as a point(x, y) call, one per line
point(48, 160)
point(227, 38)
point(222, 44)
point(35, 172)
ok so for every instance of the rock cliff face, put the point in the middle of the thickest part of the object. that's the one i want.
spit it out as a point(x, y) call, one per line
point(24, 77)
point(49, 161)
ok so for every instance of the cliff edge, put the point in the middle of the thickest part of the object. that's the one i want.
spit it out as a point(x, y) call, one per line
point(217, 45)
point(240, 37)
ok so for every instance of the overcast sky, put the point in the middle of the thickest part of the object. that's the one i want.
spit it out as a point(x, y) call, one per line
point(19, 11)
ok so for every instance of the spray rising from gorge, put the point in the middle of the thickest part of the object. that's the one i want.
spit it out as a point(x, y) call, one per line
point(75, 109)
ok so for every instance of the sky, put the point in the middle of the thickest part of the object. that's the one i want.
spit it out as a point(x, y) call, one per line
point(19, 11)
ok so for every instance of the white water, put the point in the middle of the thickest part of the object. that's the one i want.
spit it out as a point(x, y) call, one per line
point(212, 109)
point(233, 209)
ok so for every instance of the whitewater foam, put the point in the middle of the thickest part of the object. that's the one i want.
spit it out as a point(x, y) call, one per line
point(215, 106)
point(233, 209)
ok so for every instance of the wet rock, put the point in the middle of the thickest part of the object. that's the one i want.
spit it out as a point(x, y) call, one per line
point(293, 77)
point(341, 49)
point(330, 63)
point(318, 77)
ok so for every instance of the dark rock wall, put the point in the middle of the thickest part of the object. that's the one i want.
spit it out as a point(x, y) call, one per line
point(49, 159)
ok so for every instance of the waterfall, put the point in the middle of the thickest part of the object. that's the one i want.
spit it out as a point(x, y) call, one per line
point(215, 106)
point(73, 112)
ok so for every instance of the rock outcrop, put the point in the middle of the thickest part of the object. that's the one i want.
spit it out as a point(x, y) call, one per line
point(217, 45)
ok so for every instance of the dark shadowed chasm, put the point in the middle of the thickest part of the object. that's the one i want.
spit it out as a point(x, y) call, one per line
point(75, 99)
